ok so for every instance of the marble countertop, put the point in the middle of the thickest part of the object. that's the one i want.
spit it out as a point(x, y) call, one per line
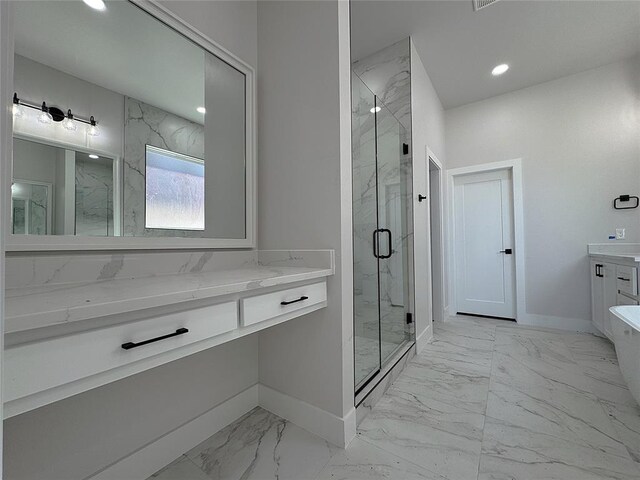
point(49, 305)
point(633, 257)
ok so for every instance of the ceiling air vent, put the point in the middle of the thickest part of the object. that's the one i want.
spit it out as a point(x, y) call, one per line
point(480, 4)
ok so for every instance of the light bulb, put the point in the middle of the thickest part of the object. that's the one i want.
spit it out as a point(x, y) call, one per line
point(45, 117)
point(93, 131)
point(68, 122)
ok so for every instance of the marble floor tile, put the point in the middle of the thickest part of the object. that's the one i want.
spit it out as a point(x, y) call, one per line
point(364, 461)
point(262, 446)
point(626, 421)
point(536, 362)
point(585, 346)
point(606, 381)
point(461, 391)
point(440, 438)
point(180, 469)
point(513, 452)
point(559, 413)
point(485, 400)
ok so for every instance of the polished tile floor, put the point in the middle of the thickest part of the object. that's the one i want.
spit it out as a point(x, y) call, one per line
point(487, 400)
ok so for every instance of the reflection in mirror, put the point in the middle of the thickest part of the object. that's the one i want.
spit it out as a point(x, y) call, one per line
point(138, 99)
point(59, 191)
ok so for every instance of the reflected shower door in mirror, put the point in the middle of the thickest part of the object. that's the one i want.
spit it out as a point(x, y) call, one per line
point(122, 85)
point(59, 191)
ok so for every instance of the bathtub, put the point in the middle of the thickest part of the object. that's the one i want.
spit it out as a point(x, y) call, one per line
point(625, 327)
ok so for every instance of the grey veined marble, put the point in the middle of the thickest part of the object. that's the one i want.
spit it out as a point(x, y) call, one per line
point(486, 400)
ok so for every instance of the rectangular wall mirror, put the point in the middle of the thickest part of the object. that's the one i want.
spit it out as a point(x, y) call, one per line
point(130, 131)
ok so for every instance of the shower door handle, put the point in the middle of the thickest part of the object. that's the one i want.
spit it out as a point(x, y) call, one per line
point(375, 243)
point(390, 250)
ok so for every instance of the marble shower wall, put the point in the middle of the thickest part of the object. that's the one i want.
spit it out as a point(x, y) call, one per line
point(148, 125)
point(94, 197)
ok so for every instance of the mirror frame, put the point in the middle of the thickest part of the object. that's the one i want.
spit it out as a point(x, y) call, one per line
point(27, 243)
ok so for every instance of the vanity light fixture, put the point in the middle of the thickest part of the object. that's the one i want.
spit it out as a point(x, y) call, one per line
point(375, 109)
point(499, 69)
point(94, 156)
point(17, 109)
point(96, 4)
point(45, 117)
point(93, 131)
point(54, 114)
point(201, 110)
point(68, 122)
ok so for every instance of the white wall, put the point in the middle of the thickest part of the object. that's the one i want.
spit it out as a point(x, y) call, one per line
point(428, 131)
point(75, 437)
point(579, 140)
point(301, 186)
point(35, 82)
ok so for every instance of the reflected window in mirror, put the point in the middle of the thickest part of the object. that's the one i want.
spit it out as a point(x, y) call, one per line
point(174, 190)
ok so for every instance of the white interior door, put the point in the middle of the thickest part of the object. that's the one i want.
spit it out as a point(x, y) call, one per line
point(483, 236)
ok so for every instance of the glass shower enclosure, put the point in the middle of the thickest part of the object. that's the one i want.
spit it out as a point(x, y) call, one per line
point(382, 196)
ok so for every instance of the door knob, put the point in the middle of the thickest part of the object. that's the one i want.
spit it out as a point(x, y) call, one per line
point(506, 251)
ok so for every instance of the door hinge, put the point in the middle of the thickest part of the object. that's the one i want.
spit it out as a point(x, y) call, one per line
point(409, 318)
point(405, 149)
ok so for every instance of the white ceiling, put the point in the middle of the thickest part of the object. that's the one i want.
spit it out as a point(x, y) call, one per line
point(122, 49)
point(540, 40)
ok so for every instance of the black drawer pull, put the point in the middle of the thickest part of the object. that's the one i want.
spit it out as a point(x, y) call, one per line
point(301, 299)
point(624, 279)
point(130, 345)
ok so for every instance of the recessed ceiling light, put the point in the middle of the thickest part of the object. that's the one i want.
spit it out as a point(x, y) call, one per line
point(499, 69)
point(95, 157)
point(201, 110)
point(375, 109)
point(96, 4)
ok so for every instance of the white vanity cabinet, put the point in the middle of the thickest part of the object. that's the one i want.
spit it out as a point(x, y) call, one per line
point(614, 281)
point(59, 365)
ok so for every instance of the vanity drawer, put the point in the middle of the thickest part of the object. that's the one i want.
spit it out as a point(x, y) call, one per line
point(627, 279)
point(271, 305)
point(42, 365)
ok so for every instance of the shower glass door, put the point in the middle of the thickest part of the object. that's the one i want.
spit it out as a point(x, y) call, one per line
point(381, 215)
point(391, 235)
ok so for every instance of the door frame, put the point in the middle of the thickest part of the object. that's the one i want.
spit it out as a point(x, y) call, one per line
point(440, 304)
point(515, 167)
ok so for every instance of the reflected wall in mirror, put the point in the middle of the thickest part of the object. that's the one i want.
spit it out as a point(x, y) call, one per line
point(166, 118)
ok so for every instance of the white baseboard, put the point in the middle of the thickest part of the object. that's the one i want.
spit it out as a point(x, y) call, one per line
point(424, 338)
point(561, 323)
point(332, 428)
point(141, 464)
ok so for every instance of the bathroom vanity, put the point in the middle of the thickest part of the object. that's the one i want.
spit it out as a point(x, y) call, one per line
point(614, 281)
point(65, 338)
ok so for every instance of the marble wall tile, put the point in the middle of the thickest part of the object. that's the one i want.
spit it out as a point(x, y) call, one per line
point(94, 198)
